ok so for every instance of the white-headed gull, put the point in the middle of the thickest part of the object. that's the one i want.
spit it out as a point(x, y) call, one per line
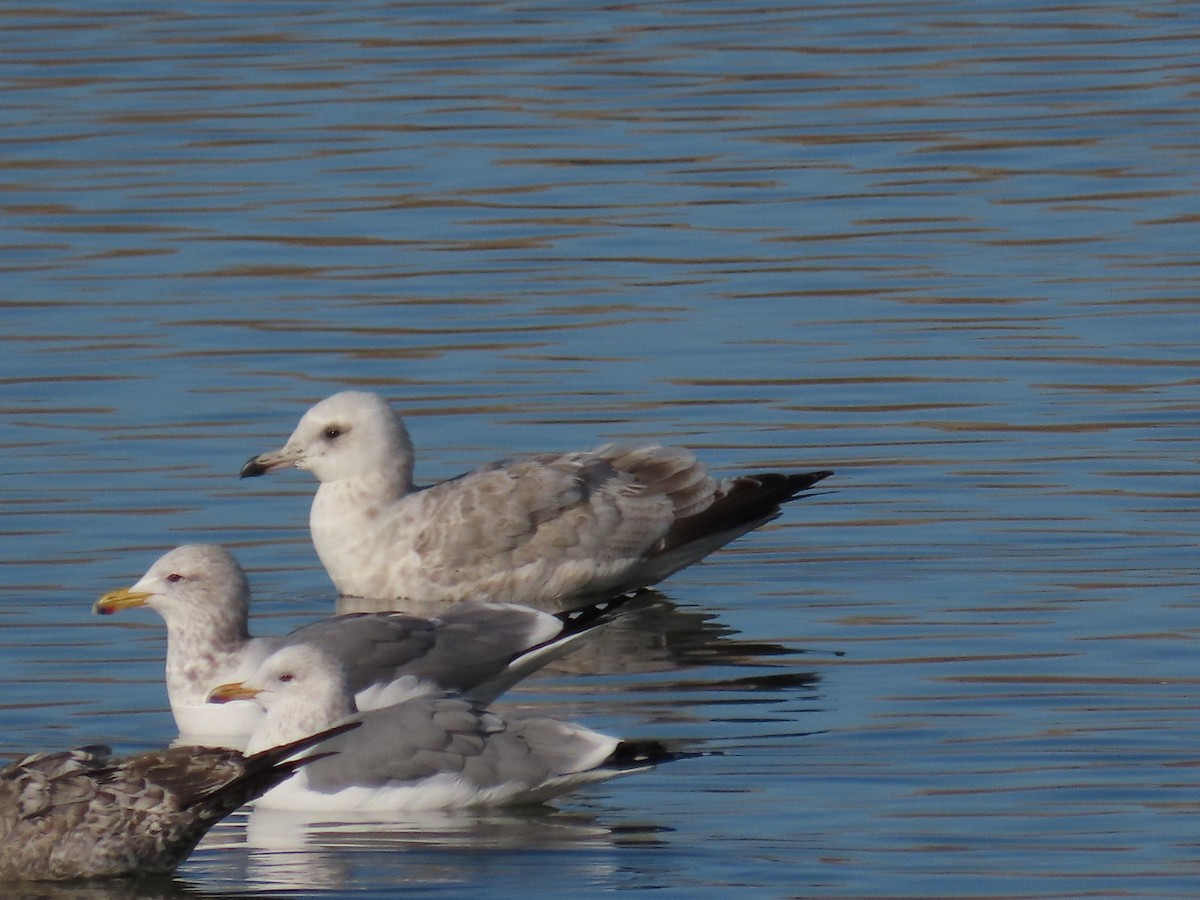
point(549, 531)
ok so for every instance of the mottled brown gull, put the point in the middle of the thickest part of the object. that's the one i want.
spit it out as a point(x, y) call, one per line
point(84, 813)
point(436, 752)
point(547, 531)
point(203, 596)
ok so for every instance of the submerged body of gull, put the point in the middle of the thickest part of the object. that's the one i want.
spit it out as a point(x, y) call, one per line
point(549, 531)
point(84, 813)
point(436, 752)
point(203, 596)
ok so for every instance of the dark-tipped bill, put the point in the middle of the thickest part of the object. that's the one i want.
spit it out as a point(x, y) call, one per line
point(234, 690)
point(265, 463)
point(115, 601)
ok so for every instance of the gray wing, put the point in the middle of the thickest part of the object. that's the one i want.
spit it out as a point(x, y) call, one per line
point(375, 648)
point(512, 642)
point(609, 520)
point(406, 742)
point(476, 641)
point(432, 735)
point(471, 643)
point(549, 509)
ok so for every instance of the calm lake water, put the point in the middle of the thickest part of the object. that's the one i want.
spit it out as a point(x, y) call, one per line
point(947, 249)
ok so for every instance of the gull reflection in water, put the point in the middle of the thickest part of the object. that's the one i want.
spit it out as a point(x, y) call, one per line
point(291, 849)
point(651, 634)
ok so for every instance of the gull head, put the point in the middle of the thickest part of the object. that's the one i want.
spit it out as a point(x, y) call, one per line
point(350, 435)
point(192, 583)
point(302, 688)
point(298, 675)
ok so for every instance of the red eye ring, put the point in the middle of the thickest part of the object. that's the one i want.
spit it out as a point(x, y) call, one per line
point(174, 577)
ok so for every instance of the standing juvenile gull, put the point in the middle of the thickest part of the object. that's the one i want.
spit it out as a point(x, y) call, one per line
point(545, 531)
point(203, 596)
point(435, 752)
point(85, 814)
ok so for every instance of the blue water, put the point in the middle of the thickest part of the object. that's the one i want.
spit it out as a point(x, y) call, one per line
point(947, 250)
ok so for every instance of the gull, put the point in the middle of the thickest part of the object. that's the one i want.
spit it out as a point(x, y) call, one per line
point(548, 531)
point(203, 596)
point(434, 752)
point(84, 813)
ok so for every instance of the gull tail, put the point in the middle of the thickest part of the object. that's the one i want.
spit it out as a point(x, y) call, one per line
point(743, 504)
point(263, 771)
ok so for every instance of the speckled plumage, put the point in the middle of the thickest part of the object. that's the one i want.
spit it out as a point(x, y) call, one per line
point(549, 531)
point(203, 596)
point(84, 814)
point(433, 752)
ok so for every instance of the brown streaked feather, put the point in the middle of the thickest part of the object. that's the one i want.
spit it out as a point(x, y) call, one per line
point(85, 814)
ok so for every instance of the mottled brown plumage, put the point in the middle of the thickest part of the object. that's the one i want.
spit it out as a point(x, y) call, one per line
point(84, 813)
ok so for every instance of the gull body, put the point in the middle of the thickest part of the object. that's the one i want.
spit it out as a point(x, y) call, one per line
point(550, 531)
point(203, 597)
point(84, 813)
point(434, 752)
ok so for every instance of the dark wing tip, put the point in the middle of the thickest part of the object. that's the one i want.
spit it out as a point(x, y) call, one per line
point(802, 481)
point(275, 754)
point(640, 753)
point(599, 612)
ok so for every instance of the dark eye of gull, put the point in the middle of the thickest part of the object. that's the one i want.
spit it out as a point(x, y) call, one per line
point(286, 677)
point(333, 432)
point(174, 577)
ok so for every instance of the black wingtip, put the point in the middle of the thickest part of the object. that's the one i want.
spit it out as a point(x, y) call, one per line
point(599, 612)
point(771, 489)
point(260, 771)
point(283, 751)
point(637, 753)
point(799, 481)
point(749, 501)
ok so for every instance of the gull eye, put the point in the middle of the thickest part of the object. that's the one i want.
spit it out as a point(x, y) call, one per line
point(174, 578)
point(333, 432)
point(286, 677)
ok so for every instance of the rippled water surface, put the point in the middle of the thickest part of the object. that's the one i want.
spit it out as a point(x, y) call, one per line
point(948, 250)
